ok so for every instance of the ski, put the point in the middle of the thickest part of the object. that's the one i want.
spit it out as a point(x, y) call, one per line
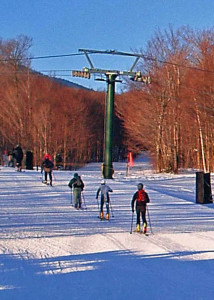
point(142, 233)
point(139, 232)
point(146, 234)
point(77, 208)
point(47, 183)
point(103, 219)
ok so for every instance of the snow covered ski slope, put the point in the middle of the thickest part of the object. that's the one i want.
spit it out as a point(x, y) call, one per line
point(49, 250)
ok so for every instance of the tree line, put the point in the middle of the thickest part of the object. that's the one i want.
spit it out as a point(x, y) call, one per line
point(173, 117)
point(46, 117)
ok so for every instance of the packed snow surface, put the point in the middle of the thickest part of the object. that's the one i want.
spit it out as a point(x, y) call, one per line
point(49, 250)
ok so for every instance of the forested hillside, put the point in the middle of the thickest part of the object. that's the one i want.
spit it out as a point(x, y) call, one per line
point(173, 117)
point(45, 116)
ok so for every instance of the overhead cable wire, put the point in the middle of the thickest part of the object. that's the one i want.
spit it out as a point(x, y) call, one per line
point(41, 57)
point(143, 56)
point(176, 64)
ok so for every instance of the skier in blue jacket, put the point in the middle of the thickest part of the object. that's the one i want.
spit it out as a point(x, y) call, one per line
point(104, 190)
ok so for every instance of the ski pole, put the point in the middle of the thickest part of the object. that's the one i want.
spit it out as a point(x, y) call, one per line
point(71, 198)
point(43, 175)
point(132, 222)
point(84, 200)
point(54, 178)
point(111, 209)
point(150, 225)
point(98, 205)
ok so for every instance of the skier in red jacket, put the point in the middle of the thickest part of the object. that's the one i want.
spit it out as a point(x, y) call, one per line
point(141, 198)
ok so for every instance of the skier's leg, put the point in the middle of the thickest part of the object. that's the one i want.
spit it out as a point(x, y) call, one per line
point(75, 198)
point(138, 220)
point(50, 177)
point(144, 221)
point(79, 198)
point(46, 175)
point(144, 216)
point(18, 166)
point(107, 206)
point(107, 209)
point(101, 206)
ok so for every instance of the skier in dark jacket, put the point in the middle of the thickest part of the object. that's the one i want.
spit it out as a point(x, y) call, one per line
point(77, 184)
point(141, 198)
point(47, 166)
point(18, 155)
point(104, 190)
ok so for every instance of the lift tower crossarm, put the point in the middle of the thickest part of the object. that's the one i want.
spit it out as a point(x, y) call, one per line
point(116, 72)
point(112, 52)
point(134, 64)
point(88, 58)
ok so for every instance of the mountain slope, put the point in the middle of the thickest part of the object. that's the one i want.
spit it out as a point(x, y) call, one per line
point(49, 250)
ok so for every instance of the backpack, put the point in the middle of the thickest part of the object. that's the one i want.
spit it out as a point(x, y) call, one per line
point(78, 181)
point(47, 169)
point(141, 196)
point(47, 164)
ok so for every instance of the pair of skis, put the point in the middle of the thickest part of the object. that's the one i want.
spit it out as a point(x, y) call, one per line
point(141, 232)
point(83, 197)
point(47, 183)
point(103, 219)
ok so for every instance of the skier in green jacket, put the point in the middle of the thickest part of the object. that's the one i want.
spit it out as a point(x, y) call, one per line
point(77, 184)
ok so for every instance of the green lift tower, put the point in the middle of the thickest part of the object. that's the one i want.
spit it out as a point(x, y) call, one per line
point(111, 79)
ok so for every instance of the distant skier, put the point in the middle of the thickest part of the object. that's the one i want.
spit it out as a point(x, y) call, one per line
point(77, 184)
point(5, 158)
point(44, 158)
point(141, 198)
point(104, 189)
point(47, 166)
point(10, 159)
point(18, 155)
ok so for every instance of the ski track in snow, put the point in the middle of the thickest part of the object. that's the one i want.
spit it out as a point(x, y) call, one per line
point(43, 237)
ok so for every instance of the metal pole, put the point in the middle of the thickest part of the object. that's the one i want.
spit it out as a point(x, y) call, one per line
point(149, 219)
point(98, 207)
point(71, 198)
point(111, 209)
point(132, 222)
point(84, 200)
point(107, 166)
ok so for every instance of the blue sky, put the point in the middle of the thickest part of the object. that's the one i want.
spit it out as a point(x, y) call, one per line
point(64, 26)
